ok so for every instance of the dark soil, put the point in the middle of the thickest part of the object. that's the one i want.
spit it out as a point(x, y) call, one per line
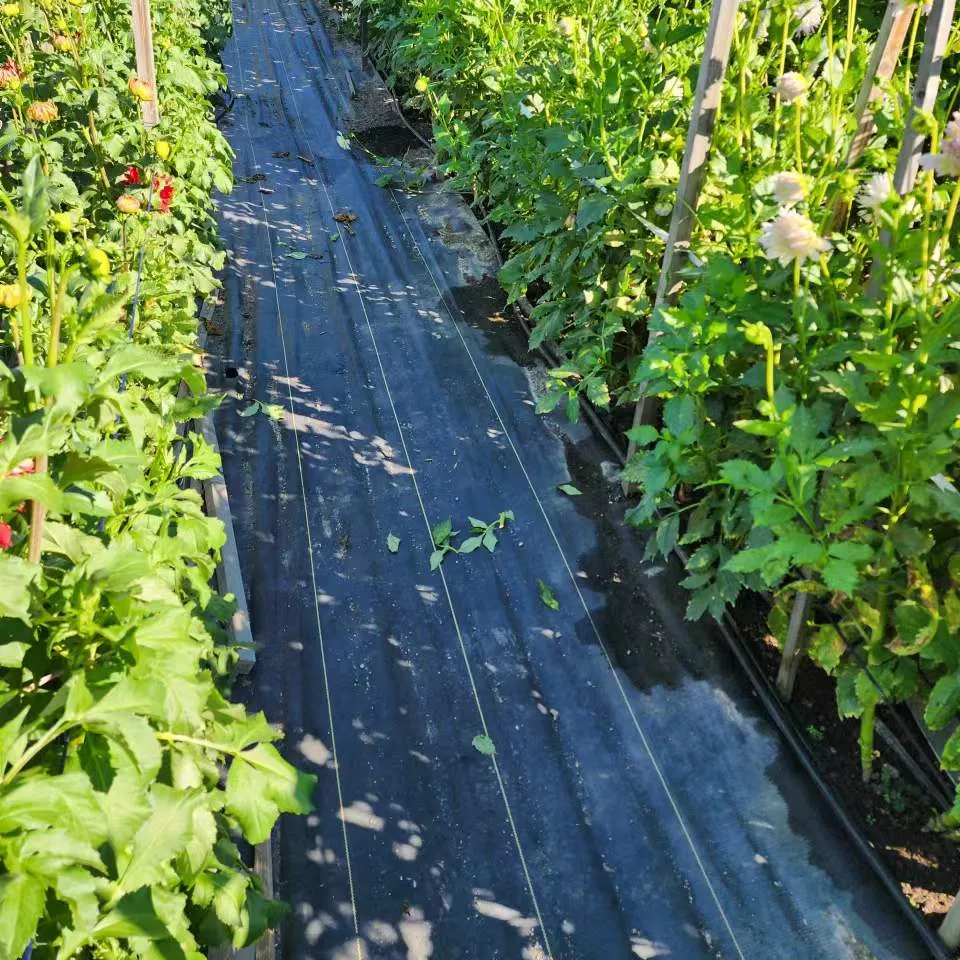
point(892, 810)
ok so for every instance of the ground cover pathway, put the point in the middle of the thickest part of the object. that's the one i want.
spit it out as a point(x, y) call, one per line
point(638, 803)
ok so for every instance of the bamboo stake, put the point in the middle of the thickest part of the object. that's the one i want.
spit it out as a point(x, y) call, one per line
point(693, 169)
point(146, 69)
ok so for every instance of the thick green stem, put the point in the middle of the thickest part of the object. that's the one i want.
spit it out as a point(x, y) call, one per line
point(797, 142)
point(784, 40)
point(799, 304)
point(771, 369)
point(867, 724)
point(951, 215)
point(26, 319)
point(851, 27)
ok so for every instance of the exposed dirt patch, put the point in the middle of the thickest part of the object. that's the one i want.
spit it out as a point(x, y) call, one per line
point(386, 140)
point(892, 810)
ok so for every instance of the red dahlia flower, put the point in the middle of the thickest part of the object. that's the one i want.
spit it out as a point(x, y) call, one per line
point(163, 188)
point(6, 536)
point(132, 177)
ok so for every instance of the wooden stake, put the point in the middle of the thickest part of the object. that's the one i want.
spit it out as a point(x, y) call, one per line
point(706, 102)
point(925, 90)
point(146, 69)
point(935, 37)
point(883, 61)
point(950, 928)
point(794, 646)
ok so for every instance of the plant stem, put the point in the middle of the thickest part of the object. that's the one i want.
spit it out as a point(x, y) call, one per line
point(867, 719)
point(799, 305)
point(26, 320)
point(797, 115)
point(951, 215)
point(777, 107)
point(851, 27)
point(28, 755)
point(910, 48)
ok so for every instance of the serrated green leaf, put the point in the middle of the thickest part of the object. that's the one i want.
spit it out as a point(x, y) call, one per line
point(570, 490)
point(46, 852)
point(393, 543)
point(471, 544)
point(667, 532)
point(643, 435)
point(261, 785)
point(132, 916)
point(43, 801)
point(950, 757)
point(436, 558)
point(849, 550)
point(199, 846)
point(747, 476)
point(12, 740)
point(21, 906)
point(943, 704)
point(827, 647)
point(910, 541)
point(93, 756)
point(841, 576)
point(16, 576)
point(848, 703)
point(158, 840)
point(442, 532)
point(916, 627)
point(679, 415)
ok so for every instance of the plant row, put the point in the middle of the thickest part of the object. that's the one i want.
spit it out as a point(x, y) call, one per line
point(808, 370)
point(129, 782)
